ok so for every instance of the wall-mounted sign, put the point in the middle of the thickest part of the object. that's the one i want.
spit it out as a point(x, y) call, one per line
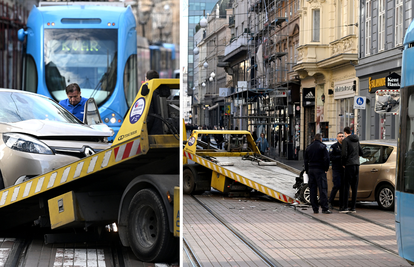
point(223, 92)
point(375, 83)
point(359, 102)
point(241, 86)
point(280, 93)
point(344, 89)
point(393, 81)
point(308, 97)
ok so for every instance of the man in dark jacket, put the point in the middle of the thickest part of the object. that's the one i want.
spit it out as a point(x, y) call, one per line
point(351, 150)
point(316, 166)
point(337, 169)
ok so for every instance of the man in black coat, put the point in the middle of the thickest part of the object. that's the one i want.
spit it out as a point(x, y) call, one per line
point(316, 166)
point(337, 169)
point(351, 150)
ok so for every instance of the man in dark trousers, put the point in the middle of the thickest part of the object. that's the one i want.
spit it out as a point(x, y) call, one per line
point(337, 169)
point(351, 150)
point(316, 166)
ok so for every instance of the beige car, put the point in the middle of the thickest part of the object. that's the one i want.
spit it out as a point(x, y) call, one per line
point(376, 174)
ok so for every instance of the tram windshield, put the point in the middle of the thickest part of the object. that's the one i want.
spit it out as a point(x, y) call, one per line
point(87, 57)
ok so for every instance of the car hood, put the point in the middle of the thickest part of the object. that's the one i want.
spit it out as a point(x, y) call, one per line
point(46, 128)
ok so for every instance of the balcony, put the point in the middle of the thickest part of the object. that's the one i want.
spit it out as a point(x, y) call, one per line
point(325, 56)
point(236, 48)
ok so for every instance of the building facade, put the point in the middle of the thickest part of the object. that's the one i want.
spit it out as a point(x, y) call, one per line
point(196, 11)
point(383, 25)
point(326, 66)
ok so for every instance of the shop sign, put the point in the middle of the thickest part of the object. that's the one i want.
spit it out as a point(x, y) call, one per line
point(344, 89)
point(308, 97)
point(375, 83)
point(393, 81)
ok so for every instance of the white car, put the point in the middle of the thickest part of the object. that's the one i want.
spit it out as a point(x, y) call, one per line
point(38, 135)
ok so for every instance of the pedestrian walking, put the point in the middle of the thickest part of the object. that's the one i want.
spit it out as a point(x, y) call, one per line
point(351, 150)
point(337, 169)
point(316, 166)
point(262, 144)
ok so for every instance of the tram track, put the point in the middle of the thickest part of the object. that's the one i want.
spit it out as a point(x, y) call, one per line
point(270, 261)
point(190, 254)
point(353, 234)
point(267, 259)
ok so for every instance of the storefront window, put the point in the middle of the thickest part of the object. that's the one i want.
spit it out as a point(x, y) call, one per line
point(346, 114)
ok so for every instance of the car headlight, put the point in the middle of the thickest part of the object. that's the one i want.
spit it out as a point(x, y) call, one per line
point(25, 143)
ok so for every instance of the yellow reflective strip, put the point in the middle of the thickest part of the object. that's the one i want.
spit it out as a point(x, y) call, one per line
point(106, 159)
point(92, 164)
point(15, 193)
point(52, 180)
point(39, 184)
point(78, 169)
point(4, 197)
point(65, 175)
point(27, 189)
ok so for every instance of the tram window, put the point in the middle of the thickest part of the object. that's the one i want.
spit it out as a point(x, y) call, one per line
point(130, 79)
point(30, 78)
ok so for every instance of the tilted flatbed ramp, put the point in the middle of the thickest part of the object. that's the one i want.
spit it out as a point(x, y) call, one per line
point(245, 165)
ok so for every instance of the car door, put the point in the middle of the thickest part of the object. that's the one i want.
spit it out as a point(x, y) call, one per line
point(371, 164)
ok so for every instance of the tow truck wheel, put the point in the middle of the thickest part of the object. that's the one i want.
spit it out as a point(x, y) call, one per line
point(148, 231)
point(189, 181)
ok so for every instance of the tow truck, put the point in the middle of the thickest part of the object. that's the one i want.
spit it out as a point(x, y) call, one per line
point(134, 184)
point(236, 170)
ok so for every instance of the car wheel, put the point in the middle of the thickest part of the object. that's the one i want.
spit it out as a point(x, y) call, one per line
point(304, 194)
point(385, 197)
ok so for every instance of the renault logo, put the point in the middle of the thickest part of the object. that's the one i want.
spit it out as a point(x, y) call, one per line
point(88, 151)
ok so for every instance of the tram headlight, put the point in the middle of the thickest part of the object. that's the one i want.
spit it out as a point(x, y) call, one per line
point(113, 120)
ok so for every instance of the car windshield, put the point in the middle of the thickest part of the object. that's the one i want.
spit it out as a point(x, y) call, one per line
point(16, 106)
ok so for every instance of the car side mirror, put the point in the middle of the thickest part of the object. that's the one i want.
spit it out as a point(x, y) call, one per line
point(91, 114)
